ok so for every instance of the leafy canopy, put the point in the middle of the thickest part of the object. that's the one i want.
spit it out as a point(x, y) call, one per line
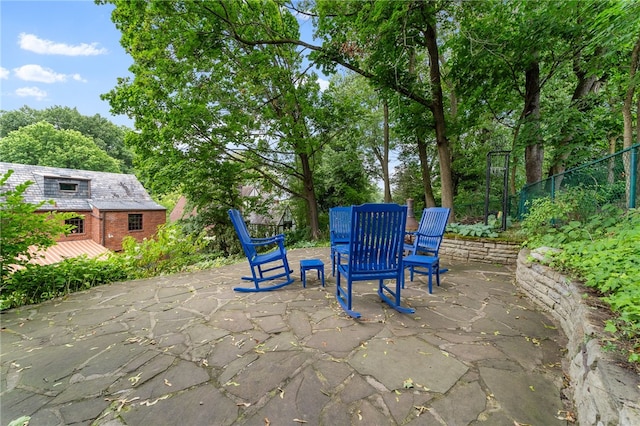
point(41, 144)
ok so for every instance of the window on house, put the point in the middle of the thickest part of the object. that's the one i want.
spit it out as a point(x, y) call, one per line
point(78, 224)
point(135, 222)
point(68, 186)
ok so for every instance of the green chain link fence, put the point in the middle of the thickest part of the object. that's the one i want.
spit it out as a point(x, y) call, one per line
point(614, 179)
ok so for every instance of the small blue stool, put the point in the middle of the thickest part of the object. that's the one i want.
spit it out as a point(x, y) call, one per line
point(309, 264)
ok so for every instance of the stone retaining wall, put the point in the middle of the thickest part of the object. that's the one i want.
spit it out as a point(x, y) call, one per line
point(603, 392)
point(481, 250)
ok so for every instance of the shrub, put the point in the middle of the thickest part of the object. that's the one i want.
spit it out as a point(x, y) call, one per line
point(600, 250)
point(37, 283)
point(170, 251)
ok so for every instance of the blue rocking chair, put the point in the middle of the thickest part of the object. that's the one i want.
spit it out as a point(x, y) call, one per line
point(423, 253)
point(376, 243)
point(339, 231)
point(278, 267)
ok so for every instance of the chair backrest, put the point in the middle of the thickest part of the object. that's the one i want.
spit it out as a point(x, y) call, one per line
point(377, 238)
point(339, 225)
point(243, 233)
point(431, 230)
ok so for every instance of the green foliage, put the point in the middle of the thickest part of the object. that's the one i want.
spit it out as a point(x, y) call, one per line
point(36, 283)
point(473, 230)
point(106, 135)
point(170, 251)
point(601, 250)
point(42, 144)
point(23, 228)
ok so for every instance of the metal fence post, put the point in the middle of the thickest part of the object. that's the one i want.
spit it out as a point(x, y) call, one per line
point(633, 169)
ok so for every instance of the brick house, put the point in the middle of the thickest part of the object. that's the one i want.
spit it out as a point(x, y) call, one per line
point(112, 205)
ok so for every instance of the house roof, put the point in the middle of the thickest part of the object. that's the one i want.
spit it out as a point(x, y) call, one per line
point(107, 191)
point(67, 249)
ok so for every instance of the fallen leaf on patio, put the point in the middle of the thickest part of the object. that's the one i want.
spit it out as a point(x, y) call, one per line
point(567, 415)
point(230, 383)
point(266, 422)
point(243, 404)
point(149, 404)
point(496, 333)
point(135, 379)
point(20, 421)
point(299, 420)
point(532, 389)
point(281, 393)
point(166, 382)
point(359, 415)
point(520, 424)
point(445, 353)
point(421, 409)
point(550, 327)
point(407, 384)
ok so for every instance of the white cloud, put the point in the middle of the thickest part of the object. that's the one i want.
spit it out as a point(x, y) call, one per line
point(37, 73)
point(78, 77)
point(35, 44)
point(324, 84)
point(4, 73)
point(31, 92)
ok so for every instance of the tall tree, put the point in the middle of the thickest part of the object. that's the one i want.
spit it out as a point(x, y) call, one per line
point(41, 144)
point(382, 41)
point(108, 136)
point(208, 89)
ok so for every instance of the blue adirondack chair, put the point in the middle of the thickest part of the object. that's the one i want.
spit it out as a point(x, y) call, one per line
point(339, 231)
point(376, 243)
point(270, 266)
point(422, 255)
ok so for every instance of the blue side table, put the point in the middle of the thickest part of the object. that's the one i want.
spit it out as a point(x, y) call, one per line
point(310, 264)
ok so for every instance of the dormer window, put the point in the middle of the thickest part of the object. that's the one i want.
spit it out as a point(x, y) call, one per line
point(68, 186)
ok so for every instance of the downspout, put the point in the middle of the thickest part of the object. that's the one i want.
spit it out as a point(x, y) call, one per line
point(103, 226)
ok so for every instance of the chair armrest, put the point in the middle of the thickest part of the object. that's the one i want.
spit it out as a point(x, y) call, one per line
point(266, 241)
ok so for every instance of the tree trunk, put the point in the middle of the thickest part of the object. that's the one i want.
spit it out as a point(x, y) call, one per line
point(310, 197)
point(627, 115)
point(437, 109)
point(385, 162)
point(534, 150)
point(425, 170)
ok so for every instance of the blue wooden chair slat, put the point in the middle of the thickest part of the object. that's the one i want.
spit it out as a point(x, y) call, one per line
point(339, 231)
point(423, 257)
point(375, 253)
point(271, 266)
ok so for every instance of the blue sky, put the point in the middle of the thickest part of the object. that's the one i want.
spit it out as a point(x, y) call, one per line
point(64, 53)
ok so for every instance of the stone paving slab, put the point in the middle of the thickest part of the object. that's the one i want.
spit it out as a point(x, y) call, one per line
point(187, 349)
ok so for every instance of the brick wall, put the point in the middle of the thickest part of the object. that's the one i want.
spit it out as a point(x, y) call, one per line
point(88, 229)
point(116, 226)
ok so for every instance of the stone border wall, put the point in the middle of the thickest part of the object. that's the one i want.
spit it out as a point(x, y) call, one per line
point(603, 392)
point(482, 250)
